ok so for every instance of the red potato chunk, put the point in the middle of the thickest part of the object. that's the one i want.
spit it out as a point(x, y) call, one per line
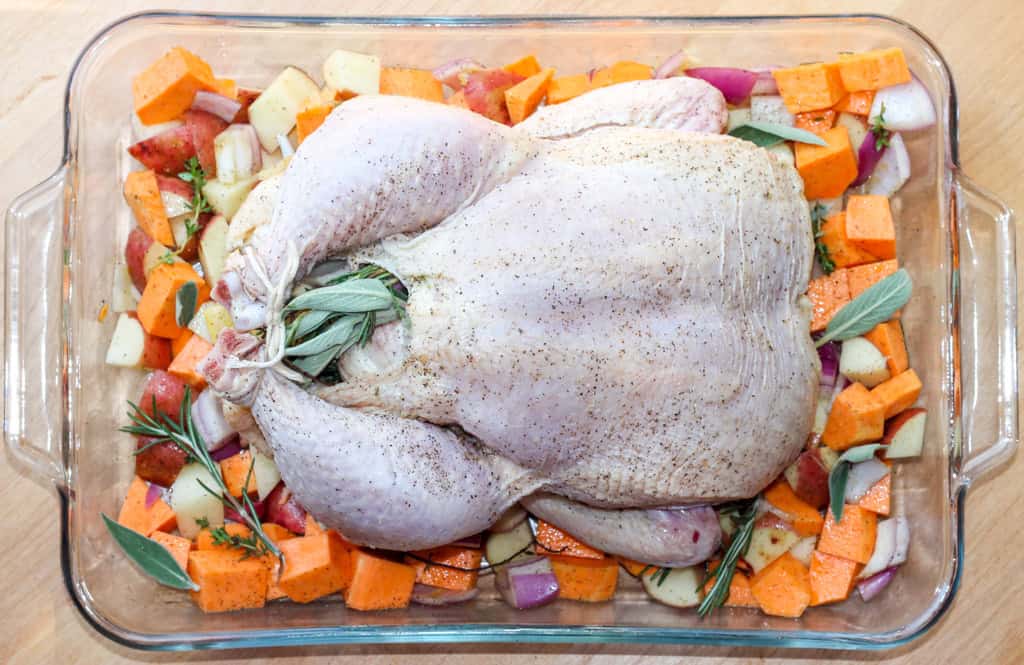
point(204, 127)
point(283, 509)
point(485, 93)
point(134, 256)
point(246, 96)
point(166, 152)
point(168, 390)
point(158, 463)
point(175, 185)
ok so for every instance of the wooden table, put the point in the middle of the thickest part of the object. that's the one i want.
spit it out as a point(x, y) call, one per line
point(39, 40)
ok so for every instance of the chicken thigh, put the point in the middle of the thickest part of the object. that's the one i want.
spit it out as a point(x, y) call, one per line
point(607, 322)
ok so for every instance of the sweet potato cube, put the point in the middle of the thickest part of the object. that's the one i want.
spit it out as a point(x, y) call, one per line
point(227, 581)
point(861, 278)
point(842, 252)
point(817, 122)
point(853, 537)
point(632, 567)
point(379, 583)
point(898, 393)
point(185, 364)
point(165, 89)
point(857, 103)
point(810, 88)
point(804, 517)
point(178, 547)
point(523, 98)
point(142, 193)
point(740, 594)
point(565, 88)
point(410, 83)
point(313, 527)
point(872, 70)
point(135, 515)
point(857, 416)
point(888, 338)
point(277, 534)
point(783, 587)
point(315, 566)
point(879, 498)
point(526, 66)
point(226, 87)
point(552, 540)
point(179, 342)
point(156, 308)
point(832, 578)
point(828, 295)
point(621, 72)
point(869, 225)
point(588, 580)
point(829, 169)
point(234, 470)
point(309, 120)
point(447, 578)
point(205, 541)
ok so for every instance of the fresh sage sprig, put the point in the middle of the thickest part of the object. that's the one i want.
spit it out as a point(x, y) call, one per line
point(185, 303)
point(152, 557)
point(327, 321)
point(767, 134)
point(839, 474)
point(722, 576)
point(875, 305)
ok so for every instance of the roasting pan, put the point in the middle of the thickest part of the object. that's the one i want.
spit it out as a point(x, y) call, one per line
point(62, 405)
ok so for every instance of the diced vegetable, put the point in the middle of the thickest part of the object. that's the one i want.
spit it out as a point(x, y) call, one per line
point(857, 416)
point(526, 66)
point(313, 527)
point(485, 93)
point(166, 391)
point(225, 108)
point(841, 251)
point(878, 499)
point(157, 306)
point(379, 583)
point(670, 66)
point(455, 73)
point(227, 87)
point(227, 581)
point(805, 518)
point(166, 152)
point(523, 98)
point(513, 516)
point(803, 549)
point(861, 278)
point(621, 72)
point(857, 103)
point(869, 154)
point(436, 596)
point(857, 128)
point(862, 478)
point(177, 546)
point(528, 583)
point(143, 196)
point(737, 118)
point(410, 83)
point(588, 580)
point(869, 225)
point(158, 462)
point(853, 537)
point(565, 88)
point(893, 171)
point(265, 473)
point(888, 338)
point(283, 509)
point(352, 73)
point(871, 70)
point(810, 87)
point(132, 346)
point(828, 294)
point(740, 594)
point(315, 566)
point(863, 362)
point(680, 587)
point(237, 153)
point(827, 170)
point(226, 199)
point(808, 478)
point(165, 89)
point(873, 586)
point(310, 119)
point(185, 364)
point(135, 249)
point(191, 502)
point(770, 108)
point(447, 577)
point(907, 107)
point(898, 393)
point(141, 132)
point(136, 515)
point(817, 122)
point(904, 434)
point(783, 589)
point(210, 319)
point(552, 540)
point(890, 546)
point(235, 470)
point(273, 113)
point(205, 540)
point(204, 128)
point(831, 577)
point(734, 84)
point(510, 545)
point(783, 152)
point(768, 543)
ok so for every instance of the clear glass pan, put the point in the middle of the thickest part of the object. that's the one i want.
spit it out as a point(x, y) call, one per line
point(62, 405)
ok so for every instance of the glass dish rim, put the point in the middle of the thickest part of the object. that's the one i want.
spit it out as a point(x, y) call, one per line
point(500, 633)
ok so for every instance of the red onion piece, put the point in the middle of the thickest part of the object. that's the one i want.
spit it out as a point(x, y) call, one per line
point(455, 73)
point(429, 595)
point(873, 585)
point(908, 106)
point(735, 84)
point(257, 149)
point(863, 476)
point(829, 356)
point(208, 418)
point(153, 492)
point(765, 83)
point(671, 66)
point(229, 448)
point(223, 107)
point(259, 506)
point(526, 584)
point(868, 156)
point(893, 170)
point(475, 542)
point(283, 509)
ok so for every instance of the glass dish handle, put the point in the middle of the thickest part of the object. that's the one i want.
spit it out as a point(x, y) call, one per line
point(33, 317)
point(988, 329)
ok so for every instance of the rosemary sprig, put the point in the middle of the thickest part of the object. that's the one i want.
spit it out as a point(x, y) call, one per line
point(818, 212)
point(183, 434)
point(722, 576)
point(882, 135)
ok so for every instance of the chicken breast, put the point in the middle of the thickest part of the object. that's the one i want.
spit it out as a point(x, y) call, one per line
point(614, 317)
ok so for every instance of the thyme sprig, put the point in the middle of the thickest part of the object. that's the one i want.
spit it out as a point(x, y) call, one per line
point(818, 213)
point(250, 545)
point(722, 576)
point(183, 434)
point(195, 176)
point(882, 135)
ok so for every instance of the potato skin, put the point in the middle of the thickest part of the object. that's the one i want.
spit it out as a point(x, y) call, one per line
point(160, 463)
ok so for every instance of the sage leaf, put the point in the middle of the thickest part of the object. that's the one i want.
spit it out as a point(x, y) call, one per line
point(841, 472)
point(309, 322)
point(353, 296)
point(152, 557)
point(876, 305)
point(767, 134)
point(313, 365)
point(334, 336)
point(185, 303)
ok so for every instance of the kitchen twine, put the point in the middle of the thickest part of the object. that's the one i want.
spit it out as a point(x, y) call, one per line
point(275, 339)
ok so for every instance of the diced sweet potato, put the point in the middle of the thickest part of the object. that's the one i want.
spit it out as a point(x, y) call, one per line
point(817, 122)
point(185, 364)
point(205, 541)
point(166, 152)
point(810, 88)
point(379, 583)
point(828, 295)
point(565, 88)
point(831, 578)
point(135, 515)
point(234, 470)
point(853, 537)
point(872, 70)
point(621, 72)
point(740, 594)
point(898, 393)
point(143, 196)
point(588, 580)
point(858, 103)
point(879, 498)
point(178, 547)
point(158, 462)
point(888, 338)
point(526, 66)
point(165, 89)
point(410, 83)
point(313, 527)
point(805, 518)
point(226, 87)
point(552, 540)
point(827, 170)
point(276, 533)
point(309, 120)
point(783, 588)
point(857, 416)
point(869, 225)
point(861, 278)
point(156, 308)
point(447, 578)
point(632, 567)
point(523, 98)
point(227, 581)
point(840, 250)
point(315, 566)
point(179, 342)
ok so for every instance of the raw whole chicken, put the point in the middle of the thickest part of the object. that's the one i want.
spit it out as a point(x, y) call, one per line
point(605, 320)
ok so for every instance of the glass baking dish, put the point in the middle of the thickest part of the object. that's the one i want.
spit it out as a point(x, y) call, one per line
point(62, 405)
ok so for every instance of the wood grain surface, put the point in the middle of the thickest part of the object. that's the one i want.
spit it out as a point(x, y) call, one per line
point(981, 39)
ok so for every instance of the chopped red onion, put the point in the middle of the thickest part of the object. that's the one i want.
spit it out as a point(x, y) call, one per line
point(208, 418)
point(259, 506)
point(153, 492)
point(671, 66)
point(223, 107)
point(230, 448)
point(868, 156)
point(454, 74)
point(429, 595)
point(734, 84)
point(908, 106)
point(283, 509)
point(873, 585)
point(765, 83)
point(526, 584)
point(829, 356)
point(893, 170)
